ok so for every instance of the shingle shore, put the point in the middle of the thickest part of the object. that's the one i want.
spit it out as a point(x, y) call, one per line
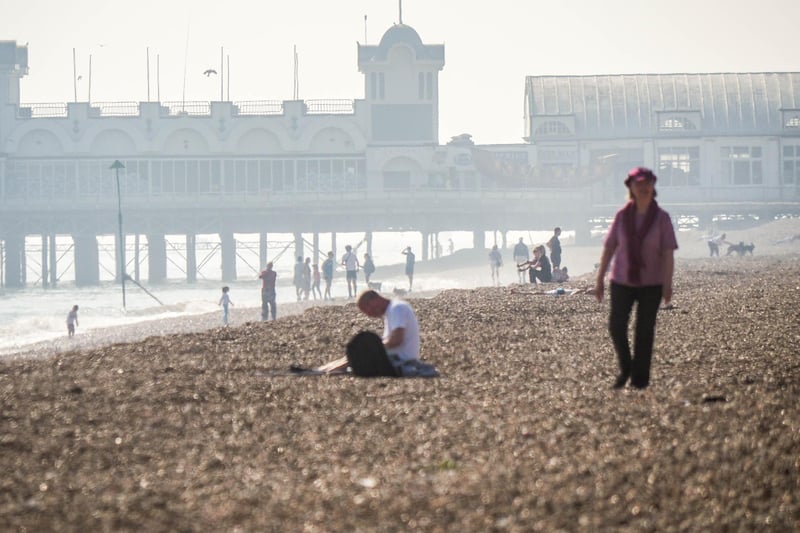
point(196, 432)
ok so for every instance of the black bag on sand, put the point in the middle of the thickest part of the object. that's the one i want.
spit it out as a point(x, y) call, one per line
point(367, 357)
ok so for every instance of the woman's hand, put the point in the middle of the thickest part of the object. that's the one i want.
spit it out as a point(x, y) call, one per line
point(599, 288)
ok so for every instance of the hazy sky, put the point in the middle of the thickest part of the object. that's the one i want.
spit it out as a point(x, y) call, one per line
point(490, 46)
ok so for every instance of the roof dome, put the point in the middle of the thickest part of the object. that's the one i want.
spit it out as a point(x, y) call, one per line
point(401, 33)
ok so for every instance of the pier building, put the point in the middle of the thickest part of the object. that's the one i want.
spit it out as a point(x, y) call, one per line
point(722, 145)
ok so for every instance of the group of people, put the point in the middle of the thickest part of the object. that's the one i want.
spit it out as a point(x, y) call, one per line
point(641, 242)
point(537, 269)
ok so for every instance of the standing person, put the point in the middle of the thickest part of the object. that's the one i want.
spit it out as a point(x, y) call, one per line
point(327, 274)
point(521, 255)
point(350, 262)
point(555, 248)
point(307, 278)
point(369, 268)
point(72, 321)
point(714, 243)
point(315, 276)
point(451, 248)
point(268, 278)
point(297, 279)
point(225, 301)
point(410, 259)
point(642, 242)
point(495, 262)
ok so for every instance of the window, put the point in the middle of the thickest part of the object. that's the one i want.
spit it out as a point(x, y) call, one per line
point(421, 85)
point(672, 123)
point(791, 164)
point(793, 122)
point(552, 128)
point(741, 165)
point(679, 166)
point(381, 86)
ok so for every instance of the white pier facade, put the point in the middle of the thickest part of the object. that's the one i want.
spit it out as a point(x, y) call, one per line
point(725, 144)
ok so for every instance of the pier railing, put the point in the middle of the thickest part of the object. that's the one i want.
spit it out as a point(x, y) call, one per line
point(184, 108)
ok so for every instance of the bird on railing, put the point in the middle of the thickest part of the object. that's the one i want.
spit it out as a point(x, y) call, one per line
point(209, 72)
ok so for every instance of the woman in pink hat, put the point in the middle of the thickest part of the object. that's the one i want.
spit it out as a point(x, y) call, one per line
point(642, 242)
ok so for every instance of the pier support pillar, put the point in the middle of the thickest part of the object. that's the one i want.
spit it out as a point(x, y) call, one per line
point(333, 246)
point(15, 261)
point(228, 248)
point(157, 258)
point(53, 260)
point(136, 266)
point(479, 239)
point(87, 263)
point(315, 252)
point(191, 258)
point(45, 259)
point(298, 245)
point(262, 250)
point(426, 244)
point(369, 242)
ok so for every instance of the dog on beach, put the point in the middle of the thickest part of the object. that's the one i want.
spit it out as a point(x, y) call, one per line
point(399, 292)
point(375, 285)
point(741, 248)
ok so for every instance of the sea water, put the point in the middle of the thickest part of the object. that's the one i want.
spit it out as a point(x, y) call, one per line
point(36, 314)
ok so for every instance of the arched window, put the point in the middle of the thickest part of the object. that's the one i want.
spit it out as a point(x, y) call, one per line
point(552, 128)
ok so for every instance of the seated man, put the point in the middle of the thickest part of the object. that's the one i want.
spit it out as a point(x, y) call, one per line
point(401, 328)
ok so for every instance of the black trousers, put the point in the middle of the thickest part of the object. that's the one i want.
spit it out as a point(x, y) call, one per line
point(622, 299)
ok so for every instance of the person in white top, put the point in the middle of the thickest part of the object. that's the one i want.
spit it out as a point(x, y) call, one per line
point(350, 262)
point(401, 328)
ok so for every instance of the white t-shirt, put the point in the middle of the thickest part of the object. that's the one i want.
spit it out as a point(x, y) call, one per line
point(399, 314)
point(350, 260)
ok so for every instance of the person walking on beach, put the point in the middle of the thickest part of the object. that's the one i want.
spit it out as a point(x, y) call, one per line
point(369, 268)
point(495, 262)
point(555, 248)
point(307, 278)
point(350, 262)
point(297, 278)
point(327, 275)
point(642, 243)
point(268, 278)
point(521, 255)
point(410, 259)
point(72, 321)
point(315, 281)
point(714, 243)
point(225, 301)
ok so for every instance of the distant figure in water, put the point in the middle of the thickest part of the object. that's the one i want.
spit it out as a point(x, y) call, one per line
point(450, 246)
point(72, 321)
point(225, 301)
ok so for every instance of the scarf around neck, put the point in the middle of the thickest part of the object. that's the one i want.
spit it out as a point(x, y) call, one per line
point(635, 237)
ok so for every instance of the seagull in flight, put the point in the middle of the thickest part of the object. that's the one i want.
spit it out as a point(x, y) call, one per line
point(209, 72)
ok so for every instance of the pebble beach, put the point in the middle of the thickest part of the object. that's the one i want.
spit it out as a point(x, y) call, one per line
point(184, 426)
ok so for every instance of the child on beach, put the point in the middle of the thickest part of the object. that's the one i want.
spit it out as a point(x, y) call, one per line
point(225, 301)
point(72, 321)
point(316, 280)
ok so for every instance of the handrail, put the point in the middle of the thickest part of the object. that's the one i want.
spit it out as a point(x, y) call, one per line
point(185, 108)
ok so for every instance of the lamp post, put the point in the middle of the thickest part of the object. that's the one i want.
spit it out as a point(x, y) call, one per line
point(116, 166)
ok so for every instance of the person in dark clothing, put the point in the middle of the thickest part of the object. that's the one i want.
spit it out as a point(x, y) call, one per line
point(539, 267)
point(555, 248)
point(642, 242)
